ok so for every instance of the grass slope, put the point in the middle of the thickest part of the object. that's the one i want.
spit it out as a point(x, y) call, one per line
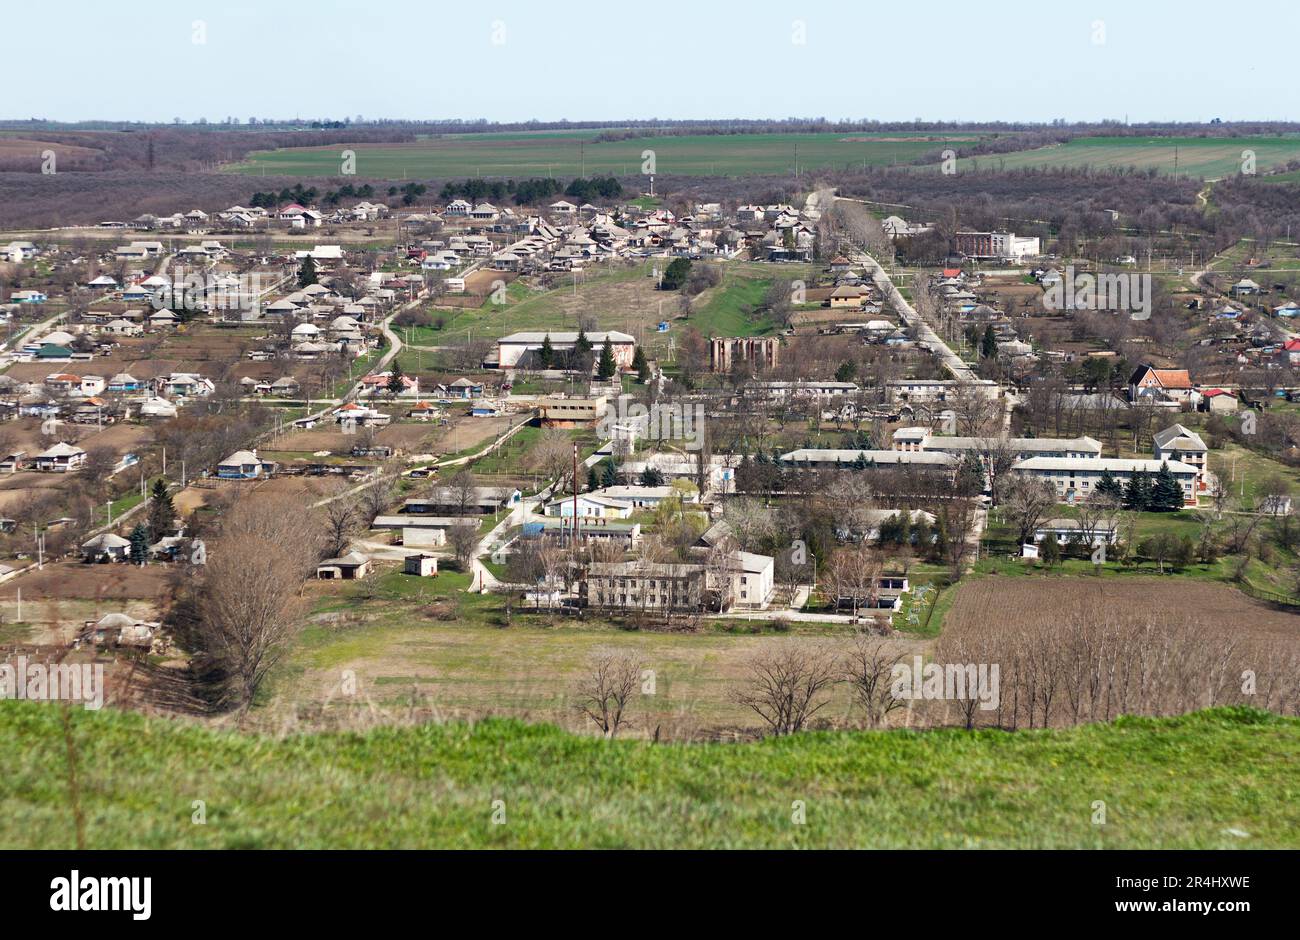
point(1166, 783)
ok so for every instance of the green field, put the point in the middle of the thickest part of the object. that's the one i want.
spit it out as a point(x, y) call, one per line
point(1196, 156)
point(575, 153)
point(1217, 779)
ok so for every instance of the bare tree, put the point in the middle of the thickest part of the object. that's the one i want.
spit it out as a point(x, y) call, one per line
point(342, 521)
point(464, 544)
point(1028, 501)
point(250, 593)
point(869, 668)
point(612, 678)
point(787, 685)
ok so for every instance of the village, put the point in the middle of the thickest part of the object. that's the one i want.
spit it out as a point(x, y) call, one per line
point(848, 462)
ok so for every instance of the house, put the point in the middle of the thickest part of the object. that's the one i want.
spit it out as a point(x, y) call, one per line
point(589, 506)
point(27, 297)
point(106, 547)
point(121, 327)
point(461, 388)
point(241, 465)
point(1150, 382)
point(1288, 309)
point(632, 585)
point(1220, 401)
point(1177, 443)
point(1245, 286)
point(61, 458)
point(444, 500)
point(422, 566)
point(351, 567)
point(641, 497)
point(571, 412)
point(624, 535)
point(1067, 531)
point(117, 630)
point(751, 580)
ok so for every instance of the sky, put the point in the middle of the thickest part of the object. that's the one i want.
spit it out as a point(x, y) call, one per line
point(1084, 60)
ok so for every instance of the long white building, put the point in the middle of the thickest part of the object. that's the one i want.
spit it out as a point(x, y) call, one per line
point(1076, 478)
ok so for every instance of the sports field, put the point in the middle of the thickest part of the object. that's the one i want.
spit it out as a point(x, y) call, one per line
point(577, 153)
point(1193, 156)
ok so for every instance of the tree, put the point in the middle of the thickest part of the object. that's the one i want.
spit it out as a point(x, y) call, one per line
point(462, 491)
point(606, 368)
point(250, 593)
point(1109, 486)
point(1049, 550)
point(307, 272)
point(546, 355)
point(395, 378)
point(341, 523)
point(162, 512)
point(651, 476)
point(1028, 502)
point(1137, 494)
point(641, 365)
point(464, 545)
point(612, 678)
point(989, 343)
point(1166, 493)
point(868, 668)
point(675, 276)
point(786, 686)
point(139, 544)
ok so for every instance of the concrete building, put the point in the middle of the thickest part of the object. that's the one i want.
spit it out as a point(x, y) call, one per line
point(515, 347)
point(1075, 478)
point(761, 352)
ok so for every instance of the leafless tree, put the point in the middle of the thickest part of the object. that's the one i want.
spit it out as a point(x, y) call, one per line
point(1028, 501)
point(868, 669)
point(464, 541)
point(342, 522)
point(251, 593)
point(604, 692)
point(787, 685)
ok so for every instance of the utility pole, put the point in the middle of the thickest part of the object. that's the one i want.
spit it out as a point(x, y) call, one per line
point(575, 495)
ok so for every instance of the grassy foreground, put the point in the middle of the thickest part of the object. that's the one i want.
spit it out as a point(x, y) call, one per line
point(1220, 778)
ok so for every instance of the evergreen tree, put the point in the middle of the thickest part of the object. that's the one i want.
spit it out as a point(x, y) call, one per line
point(641, 365)
point(609, 476)
point(607, 367)
point(651, 476)
point(139, 544)
point(1109, 486)
point(846, 371)
point(395, 379)
point(1049, 550)
point(1137, 495)
point(989, 344)
point(162, 512)
point(1166, 494)
point(307, 272)
point(593, 479)
point(547, 353)
point(582, 345)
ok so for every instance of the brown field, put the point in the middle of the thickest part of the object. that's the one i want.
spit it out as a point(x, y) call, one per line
point(992, 601)
point(12, 148)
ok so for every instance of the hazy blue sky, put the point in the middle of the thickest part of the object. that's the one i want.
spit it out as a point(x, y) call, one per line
point(934, 59)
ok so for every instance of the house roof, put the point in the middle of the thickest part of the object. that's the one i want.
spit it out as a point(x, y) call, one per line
point(239, 458)
point(1179, 438)
point(61, 449)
